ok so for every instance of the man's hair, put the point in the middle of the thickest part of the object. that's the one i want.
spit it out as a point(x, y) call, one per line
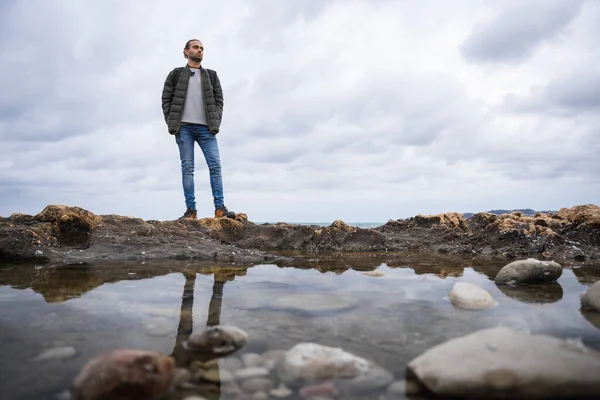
point(187, 46)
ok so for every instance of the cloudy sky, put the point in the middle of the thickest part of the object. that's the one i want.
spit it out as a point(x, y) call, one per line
point(353, 110)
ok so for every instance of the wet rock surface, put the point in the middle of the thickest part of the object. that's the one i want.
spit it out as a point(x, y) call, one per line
point(529, 271)
point(72, 234)
point(124, 374)
point(471, 297)
point(503, 363)
point(591, 299)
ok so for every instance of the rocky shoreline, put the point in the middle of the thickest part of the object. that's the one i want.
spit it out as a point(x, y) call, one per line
point(62, 234)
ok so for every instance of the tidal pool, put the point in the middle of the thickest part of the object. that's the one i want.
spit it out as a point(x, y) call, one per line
point(385, 308)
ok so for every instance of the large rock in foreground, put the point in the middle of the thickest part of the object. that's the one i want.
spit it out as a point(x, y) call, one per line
point(502, 363)
point(124, 374)
point(529, 271)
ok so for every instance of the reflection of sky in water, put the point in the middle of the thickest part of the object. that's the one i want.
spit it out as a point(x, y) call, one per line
point(391, 318)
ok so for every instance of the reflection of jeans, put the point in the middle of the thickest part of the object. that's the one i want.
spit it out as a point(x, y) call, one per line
point(187, 136)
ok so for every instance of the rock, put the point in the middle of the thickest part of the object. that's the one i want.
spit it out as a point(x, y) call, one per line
point(314, 303)
point(218, 340)
point(231, 364)
point(591, 299)
point(158, 327)
point(281, 392)
point(500, 362)
point(587, 214)
point(451, 220)
point(529, 271)
point(181, 376)
point(320, 390)
point(374, 379)
point(252, 360)
point(248, 373)
point(124, 374)
point(56, 231)
point(471, 297)
point(260, 396)
point(402, 388)
point(217, 375)
point(593, 317)
point(312, 362)
point(275, 355)
point(253, 385)
point(56, 353)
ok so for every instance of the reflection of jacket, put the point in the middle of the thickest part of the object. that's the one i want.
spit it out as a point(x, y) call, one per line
point(173, 99)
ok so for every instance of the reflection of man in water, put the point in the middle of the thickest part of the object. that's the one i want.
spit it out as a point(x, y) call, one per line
point(186, 320)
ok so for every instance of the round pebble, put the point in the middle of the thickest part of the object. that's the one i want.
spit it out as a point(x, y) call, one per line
point(248, 373)
point(253, 385)
point(180, 376)
point(281, 392)
point(231, 364)
point(275, 355)
point(375, 378)
point(56, 353)
point(252, 360)
point(216, 375)
point(260, 396)
point(158, 327)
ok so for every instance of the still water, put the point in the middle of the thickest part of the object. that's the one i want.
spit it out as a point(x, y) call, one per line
point(389, 315)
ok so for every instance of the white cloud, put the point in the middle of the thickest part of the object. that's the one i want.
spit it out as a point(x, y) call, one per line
point(349, 110)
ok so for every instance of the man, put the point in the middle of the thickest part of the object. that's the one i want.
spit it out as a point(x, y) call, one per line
point(192, 103)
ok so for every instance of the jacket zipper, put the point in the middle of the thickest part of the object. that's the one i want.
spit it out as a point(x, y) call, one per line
point(202, 74)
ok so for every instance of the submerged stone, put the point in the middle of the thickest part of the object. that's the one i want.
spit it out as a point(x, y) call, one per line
point(124, 374)
point(307, 363)
point(471, 297)
point(503, 363)
point(56, 353)
point(314, 303)
point(219, 339)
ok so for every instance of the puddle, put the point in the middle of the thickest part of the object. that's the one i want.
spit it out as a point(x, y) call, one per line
point(54, 319)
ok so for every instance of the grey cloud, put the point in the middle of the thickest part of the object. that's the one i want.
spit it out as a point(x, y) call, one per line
point(580, 91)
point(263, 26)
point(515, 33)
point(566, 96)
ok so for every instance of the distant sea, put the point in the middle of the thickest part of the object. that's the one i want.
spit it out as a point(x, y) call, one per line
point(356, 224)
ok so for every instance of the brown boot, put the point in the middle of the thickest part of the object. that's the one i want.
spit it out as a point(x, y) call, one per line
point(189, 214)
point(224, 212)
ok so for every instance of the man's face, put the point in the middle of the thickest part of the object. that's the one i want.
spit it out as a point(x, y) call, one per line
point(196, 51)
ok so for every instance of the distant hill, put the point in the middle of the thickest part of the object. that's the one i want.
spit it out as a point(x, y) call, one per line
point(526, 211)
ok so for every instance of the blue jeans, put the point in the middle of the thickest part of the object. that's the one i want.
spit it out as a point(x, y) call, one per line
point(186, 138)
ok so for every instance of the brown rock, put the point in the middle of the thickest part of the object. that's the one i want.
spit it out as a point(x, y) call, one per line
point(124, 374)
point(451, 220)
point(588, 214)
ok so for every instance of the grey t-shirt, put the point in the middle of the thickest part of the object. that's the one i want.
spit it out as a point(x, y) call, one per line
point(193, 109)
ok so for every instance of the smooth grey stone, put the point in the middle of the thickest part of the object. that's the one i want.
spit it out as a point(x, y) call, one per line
point(591, 299)
point(493, 362)
point(56, 353)
point(529, 271)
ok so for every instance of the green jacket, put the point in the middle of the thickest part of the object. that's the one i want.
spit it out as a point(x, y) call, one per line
point(173, 99)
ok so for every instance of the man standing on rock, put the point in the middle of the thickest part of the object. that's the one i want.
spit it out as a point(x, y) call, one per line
point(192, 103)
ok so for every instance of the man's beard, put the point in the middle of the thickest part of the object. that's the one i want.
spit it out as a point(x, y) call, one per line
point(196, 58)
